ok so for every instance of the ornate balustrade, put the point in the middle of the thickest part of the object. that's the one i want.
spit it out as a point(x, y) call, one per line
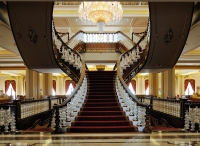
point(22, 114)
point(65, 113)
point(69, 60)
point(64, 36)
point(29, 108)
point(7, 119)
point(132, 61)
point(117, 37)
point(137, 36)
point(192, 117)
point(179, 113)
point(168, 106)
point(147, 100)
point(130, 101)
point(135, 111)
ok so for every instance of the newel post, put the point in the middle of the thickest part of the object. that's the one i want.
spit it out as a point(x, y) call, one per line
point(17, 104)
point(147, 120)
point(57, 120)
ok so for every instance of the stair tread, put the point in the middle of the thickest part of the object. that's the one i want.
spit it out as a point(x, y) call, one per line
point(103, 116)
point(101, 110)
point(101, 126)
point(103, 121)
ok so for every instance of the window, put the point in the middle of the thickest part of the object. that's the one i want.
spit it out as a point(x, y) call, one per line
point(131, 88)
point(10, 91)
point(10, 88)
point(189, 86)
point(54, 88)
point(53, 92)
point(147, 87)
point(147, 91)
point(70, 89)
point(189, 90)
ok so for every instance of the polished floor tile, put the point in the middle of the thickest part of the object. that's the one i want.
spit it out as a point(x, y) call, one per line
point(95, 139)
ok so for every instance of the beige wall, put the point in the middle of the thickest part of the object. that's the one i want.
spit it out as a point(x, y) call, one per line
point(43, 84)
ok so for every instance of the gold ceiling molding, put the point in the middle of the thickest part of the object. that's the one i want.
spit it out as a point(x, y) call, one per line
point(125, 12)
point(78, 3)
point(12, 68)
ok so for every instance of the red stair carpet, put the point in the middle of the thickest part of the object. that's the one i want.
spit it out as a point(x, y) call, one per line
point(101, 111)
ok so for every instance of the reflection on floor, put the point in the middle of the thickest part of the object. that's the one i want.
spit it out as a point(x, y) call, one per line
point(109, 139)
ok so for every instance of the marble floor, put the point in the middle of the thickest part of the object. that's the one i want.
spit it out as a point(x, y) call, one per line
point(95, 139)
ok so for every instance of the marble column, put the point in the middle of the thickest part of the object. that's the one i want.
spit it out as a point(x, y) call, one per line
point(179, 85)
point(47, 84)
point(32, 84)
point(140, 85)
point(20, 85)
point(168, 83)
point(60, 87)
point(153, 84)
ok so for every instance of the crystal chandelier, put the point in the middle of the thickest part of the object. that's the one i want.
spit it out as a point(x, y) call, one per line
point(100, 13)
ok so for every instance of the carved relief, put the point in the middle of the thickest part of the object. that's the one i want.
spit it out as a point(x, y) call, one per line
point(168, 37)
point(32, 35)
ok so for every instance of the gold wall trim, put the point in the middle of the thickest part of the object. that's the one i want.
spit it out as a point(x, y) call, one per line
point(187, 67)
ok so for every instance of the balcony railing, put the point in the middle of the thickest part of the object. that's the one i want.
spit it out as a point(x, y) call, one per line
point(117, 37)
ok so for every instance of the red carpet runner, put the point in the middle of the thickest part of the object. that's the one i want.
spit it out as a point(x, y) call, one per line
point(101, 111)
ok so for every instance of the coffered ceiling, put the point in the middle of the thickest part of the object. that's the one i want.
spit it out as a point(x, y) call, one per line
point(135, 19)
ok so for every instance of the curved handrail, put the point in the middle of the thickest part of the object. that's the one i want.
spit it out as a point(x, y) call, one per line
point(125, 86)
point(64, 36)
point(72, 65)
point(141, 47)
point(62, 48)
point(75, 89)
point(122, 81)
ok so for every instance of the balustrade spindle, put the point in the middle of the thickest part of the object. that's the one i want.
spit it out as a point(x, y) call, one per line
point(167, 106)
point(137, 114)
point(66, 114)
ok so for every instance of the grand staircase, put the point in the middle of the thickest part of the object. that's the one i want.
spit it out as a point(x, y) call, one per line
point(101, 111)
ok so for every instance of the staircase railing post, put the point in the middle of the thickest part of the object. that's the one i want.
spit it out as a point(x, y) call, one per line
point(49, 102)
point(17, 104)
point(182, 108)
point(151, 102)
point(57, 120)
point(147, 120)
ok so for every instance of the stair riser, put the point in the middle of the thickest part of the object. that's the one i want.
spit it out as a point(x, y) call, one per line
point(101, 109)
point(100, 82)
point(88, 118)
point(100, 100)
point(101, 114)
point(100, 104)
point(102, 130)
point(101, 90)
point(101, 124)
